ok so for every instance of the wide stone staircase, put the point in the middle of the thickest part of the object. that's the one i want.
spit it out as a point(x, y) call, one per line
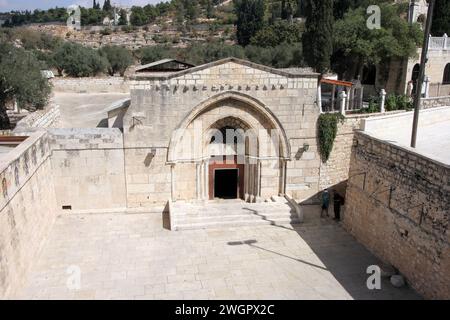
point(231, 213)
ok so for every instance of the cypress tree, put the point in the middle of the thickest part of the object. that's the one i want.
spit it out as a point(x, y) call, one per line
point(318, 36)
point(250, 19)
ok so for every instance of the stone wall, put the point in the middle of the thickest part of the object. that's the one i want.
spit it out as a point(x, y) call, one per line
point(439, 90)
point(27, 209)
point(91, 85)
point(401, 122)
point(160, 105)
point(88, 168)
point(428, 103)
point(48, 117)
point(397, 205)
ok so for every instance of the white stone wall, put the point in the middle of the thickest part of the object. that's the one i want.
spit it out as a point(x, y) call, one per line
point(88, 168)
point(27, 209)
point(159, 106)
point(91, 85)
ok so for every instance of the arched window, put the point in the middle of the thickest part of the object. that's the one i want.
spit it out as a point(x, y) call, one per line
point(415, 72)
point(446, 79)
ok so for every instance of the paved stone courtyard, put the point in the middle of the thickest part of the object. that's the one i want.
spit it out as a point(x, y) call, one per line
point(131, 256)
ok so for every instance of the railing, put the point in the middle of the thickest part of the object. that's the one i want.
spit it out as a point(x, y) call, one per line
point(439, 43)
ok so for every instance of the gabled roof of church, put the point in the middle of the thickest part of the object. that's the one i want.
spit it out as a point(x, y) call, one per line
point(164, 65)
point(282, 72)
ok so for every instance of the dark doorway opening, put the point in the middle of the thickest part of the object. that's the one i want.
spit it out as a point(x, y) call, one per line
point(226, 183)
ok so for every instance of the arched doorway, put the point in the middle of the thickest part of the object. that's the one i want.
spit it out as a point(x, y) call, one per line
point(239, 150)
point(415, 77)
point(228, 150)
point(446, 77)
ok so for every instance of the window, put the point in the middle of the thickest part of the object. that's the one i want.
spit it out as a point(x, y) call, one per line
point(446, 79)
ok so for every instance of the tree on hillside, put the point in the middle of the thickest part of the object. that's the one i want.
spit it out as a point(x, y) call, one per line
point(119, 59)
point(107, 5)
point(441, 18)
point(154, 53)
point(250, 19)
point(138, 16)
point(123, 18)
point(20, 79)
point(78, 61)
point(318, 36)
point(278, 33)
point(358, 46)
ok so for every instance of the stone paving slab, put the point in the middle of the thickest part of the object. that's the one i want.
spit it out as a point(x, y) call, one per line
point(131, 256)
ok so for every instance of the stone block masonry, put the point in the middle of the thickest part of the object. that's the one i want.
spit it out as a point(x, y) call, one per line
point(398, 206)
point(27, 214)
point(91, 85)
point(88, 168)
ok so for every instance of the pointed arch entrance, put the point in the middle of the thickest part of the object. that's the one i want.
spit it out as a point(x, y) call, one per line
point(236, 146)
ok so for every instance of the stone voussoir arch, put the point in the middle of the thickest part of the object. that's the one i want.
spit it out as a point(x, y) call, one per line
point(252, 102)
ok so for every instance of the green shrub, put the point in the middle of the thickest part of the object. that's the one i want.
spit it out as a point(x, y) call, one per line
point(398, 102)
point(328, 126)
point(106, 32)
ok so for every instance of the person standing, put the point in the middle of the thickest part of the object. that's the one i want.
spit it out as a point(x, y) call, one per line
point(325, 203)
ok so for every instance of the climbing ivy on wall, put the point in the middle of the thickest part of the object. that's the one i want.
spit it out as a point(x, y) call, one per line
point(327, 126)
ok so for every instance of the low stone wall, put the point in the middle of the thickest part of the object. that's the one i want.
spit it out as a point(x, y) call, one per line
point(402, 122)
point(428, 103)
point(88, 168)
point(397, 205)
point(27, 204)
point(335, 170)
point(439, 90)
point(91, 85)
point(45, 118)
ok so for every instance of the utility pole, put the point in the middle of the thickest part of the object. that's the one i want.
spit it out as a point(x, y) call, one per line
point(421, 78)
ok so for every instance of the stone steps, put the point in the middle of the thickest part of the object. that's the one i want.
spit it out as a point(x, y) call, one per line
point(222, 214)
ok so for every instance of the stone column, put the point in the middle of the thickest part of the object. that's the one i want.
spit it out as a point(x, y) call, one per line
point(198, 180)
point(319, 97)
point(172, 182)
point(343, 101)
point(206, 180)
point(383, 100)
point(427, 86)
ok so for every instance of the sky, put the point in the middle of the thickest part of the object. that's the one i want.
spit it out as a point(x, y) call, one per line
point(8, 5)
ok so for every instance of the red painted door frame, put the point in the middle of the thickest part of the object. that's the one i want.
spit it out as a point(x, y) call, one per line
point(213, 165)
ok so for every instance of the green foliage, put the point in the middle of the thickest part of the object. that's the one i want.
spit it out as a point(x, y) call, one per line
point(204, 53)
point(123, 18)
point(154, 53)
point(441, 18)
point(327, 127)
point(30, 39)
point(92, 16)
point(78, 61)
point(138, 16)
point(278, 33)
point(318, 36)
point(281, 56)
point(107, 5)
point(374, 106)
point(106, 32)
point(119, 59)
point(358, 46)
point(398, 102)
point(18, 18)
point(250, 19)
point(20, 79)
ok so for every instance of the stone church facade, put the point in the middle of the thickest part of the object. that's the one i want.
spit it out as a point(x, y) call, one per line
point(232, 94)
